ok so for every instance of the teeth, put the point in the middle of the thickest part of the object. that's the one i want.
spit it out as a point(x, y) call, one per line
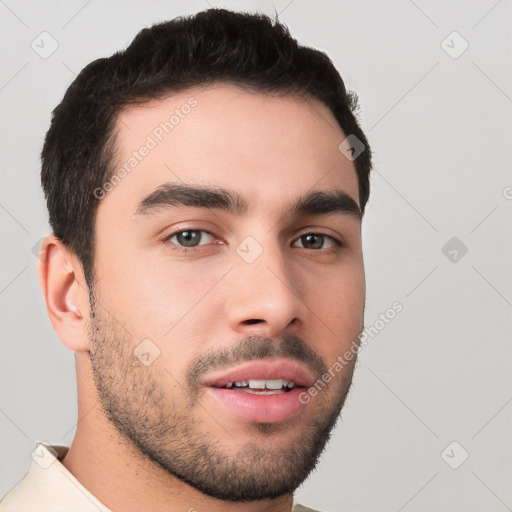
point(275, 383)
point(270, 384)
point(257, 384)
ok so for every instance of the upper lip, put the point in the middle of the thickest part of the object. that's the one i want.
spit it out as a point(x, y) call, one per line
point(263, 369)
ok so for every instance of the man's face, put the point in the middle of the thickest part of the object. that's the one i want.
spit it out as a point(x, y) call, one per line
point(198, 295)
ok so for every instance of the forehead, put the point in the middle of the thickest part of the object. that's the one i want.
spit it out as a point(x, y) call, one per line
point(269, 148)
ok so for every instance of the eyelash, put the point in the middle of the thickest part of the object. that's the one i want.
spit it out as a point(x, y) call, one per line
point(166, 240)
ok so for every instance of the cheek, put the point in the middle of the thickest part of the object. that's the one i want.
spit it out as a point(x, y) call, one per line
point(168, 304)
point(153, 297)
point(337, 300)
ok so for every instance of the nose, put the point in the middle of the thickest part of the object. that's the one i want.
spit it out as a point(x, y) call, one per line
point(263, 297)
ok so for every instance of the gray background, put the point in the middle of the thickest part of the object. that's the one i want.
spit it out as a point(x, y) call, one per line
point(439, 124)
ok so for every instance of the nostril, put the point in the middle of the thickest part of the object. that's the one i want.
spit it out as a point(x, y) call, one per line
point(252, 321)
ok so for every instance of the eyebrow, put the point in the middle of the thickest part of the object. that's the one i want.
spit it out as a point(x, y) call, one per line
point(169, 195)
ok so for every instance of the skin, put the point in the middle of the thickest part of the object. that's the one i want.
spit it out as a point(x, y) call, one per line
point(271, 150)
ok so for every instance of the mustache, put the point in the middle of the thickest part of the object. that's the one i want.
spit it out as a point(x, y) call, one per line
point(253, 348)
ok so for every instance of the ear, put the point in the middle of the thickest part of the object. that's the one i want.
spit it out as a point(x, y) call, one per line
point(65, 292)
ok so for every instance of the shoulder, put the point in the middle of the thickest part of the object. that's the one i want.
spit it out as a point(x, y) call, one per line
point(302, 508)
point(49, 486)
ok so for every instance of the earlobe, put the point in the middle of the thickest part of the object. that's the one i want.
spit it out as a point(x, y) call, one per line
point(65, 293)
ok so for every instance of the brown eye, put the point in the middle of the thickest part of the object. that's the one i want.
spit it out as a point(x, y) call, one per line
point(317, 240)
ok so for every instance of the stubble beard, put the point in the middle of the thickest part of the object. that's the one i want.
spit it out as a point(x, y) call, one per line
point(134, 401)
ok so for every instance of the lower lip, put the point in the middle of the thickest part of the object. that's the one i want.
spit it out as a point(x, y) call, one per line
point(260, 408)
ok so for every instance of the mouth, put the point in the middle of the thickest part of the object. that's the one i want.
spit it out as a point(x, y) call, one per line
point(264, 391)
point(261, 386)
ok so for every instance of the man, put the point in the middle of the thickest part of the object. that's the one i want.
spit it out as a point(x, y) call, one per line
point(205, 189)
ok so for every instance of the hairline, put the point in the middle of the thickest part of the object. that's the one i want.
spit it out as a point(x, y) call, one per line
point(113, 154)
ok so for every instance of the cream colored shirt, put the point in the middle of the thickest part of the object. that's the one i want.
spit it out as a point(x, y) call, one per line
point(50, 487)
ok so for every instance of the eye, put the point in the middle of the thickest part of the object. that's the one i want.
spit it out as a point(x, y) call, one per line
point(316, 241)
point(190, 238)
